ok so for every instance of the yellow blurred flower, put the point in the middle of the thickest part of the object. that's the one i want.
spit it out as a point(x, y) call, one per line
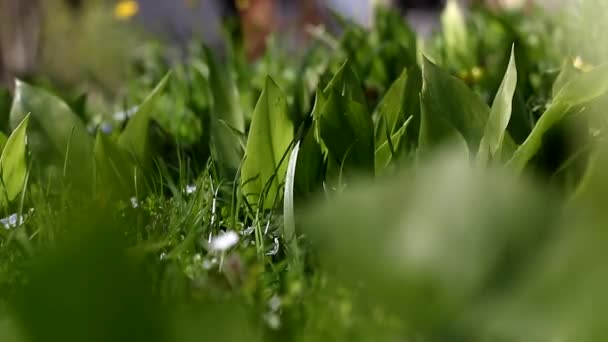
point(477, 73)
point(126, 9)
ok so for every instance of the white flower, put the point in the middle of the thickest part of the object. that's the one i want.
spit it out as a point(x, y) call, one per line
point(124, 115)
point(134, 202)
point(190, 189)
point(224, 241)
point(12, 221)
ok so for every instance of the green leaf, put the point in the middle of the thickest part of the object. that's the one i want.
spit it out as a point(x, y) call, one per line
point(389, 112)
point(270, 136)
point(580, 90)
point(226, 117)
point(500, 114)
point(567, 73)
point(456, 36)
point(320, 100)
point(346, 83)
point(13, 163)
point(224, 91)
point(136, 138)
point(309, 166)
point(115, 170)
point(390, 26)
point(446, 100)
point(423, 224)
point(384, 154)
point(3, 139)
point(346, 129)
point(57, 138)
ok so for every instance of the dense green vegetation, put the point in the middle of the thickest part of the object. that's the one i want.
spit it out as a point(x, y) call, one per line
point(376, 186)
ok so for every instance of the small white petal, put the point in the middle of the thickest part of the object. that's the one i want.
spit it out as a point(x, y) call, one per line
point(124, 115)
point(224, 241)
point(134, 202)
point(11, 221)
point(190, 189)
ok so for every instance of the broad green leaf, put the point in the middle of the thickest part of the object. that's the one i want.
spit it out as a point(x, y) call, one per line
point(270, 136)
point(224, 91)
point(346, 129)
point(309, 166)
point(3, 139)
point(499, 114)
point(567, 73)
point(136, 138)
point(390, 26)
point(456, 36)
point(115, 170)
point(355, 44)
point(226, 120)
point(580, 90)
point(384, 154)
point(13, 163)
point(446, 100)
point(593, 185)
point(57, 138)
point(389, 112)
point(346, 83)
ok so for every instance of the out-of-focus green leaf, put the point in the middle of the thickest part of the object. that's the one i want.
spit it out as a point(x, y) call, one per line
point(580, 90)
point(456, 36)
point(344, 126)
point(115, 170)
point(307, 81)
point(346, 83)
point(270, 136)
point(136, 137)
point(57, 138)
point(593, 184)
point(224, 92)
point(309, 165)
point(3, 139)
point(87, 288)
point(384, 153)
point(389, 112)
point(347, 131)
point(320, 99)
point(446, 100)
point(566, 74)
point(391, 27)
point(448, 232)
point(499, 115)
point(226, 120)
point(13, 163)
point(560, 293)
